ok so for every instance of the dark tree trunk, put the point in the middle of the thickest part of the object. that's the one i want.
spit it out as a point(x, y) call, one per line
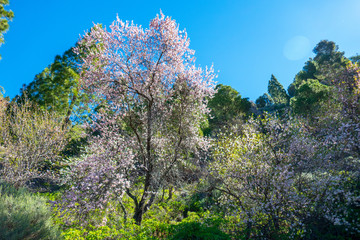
point(139, 212)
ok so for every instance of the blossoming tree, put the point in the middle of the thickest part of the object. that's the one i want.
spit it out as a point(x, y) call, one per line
point(31, 141)
point(152, 95)
point(282, 179)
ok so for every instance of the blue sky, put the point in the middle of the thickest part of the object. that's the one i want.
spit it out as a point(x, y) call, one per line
point(246, 40)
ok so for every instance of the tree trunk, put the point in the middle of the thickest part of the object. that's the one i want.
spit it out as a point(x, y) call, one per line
point(248, 230)
point(139, 212)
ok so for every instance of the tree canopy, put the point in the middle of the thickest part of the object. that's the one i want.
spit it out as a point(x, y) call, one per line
point(226, 106)
point(57, 87)
point(152, 104)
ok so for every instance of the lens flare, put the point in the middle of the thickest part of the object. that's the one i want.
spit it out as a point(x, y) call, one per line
point(297, 48)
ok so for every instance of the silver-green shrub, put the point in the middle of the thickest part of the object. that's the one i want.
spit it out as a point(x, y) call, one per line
point(24, 215)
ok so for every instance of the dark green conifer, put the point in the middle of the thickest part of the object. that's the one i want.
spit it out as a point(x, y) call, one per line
point(277, 91)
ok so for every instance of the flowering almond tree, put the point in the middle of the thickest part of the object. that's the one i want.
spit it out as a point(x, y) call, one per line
point(348, 94)
point(152, 95)
point(282, 180)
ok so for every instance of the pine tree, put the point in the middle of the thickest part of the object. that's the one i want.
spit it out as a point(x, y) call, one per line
point(277, 91)
point(56, 88)
point(5, 17)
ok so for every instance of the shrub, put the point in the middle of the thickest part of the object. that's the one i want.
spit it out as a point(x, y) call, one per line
point(99, 233)
point(195, 227)
point(24, 215)
point(31, 141)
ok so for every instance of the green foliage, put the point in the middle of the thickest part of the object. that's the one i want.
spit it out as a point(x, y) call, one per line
point(165, 220)
point(310, 97)
point(311, 87)
point(193, 227)
point(103, 232)
point(327, 51)
point(264, 101)
point(56, 88)
point(275, 99)
point(77, 141)
point(24, 215)
point(56, 85)
point(226, 106)
point(5, 17)
point(308, 72)
point(277, 91)
point(324, 67)
point(355, 59)
point(167, 210)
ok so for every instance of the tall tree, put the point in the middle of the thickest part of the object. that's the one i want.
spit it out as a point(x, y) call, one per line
point(327, 51)
point(5, 17)
point(275, 99)
point(154, 99)
point(277, 91)
point(327, 60)
point(312, 85)
point(56, 88)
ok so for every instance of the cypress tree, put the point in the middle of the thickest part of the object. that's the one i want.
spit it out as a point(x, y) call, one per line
point(277, 91)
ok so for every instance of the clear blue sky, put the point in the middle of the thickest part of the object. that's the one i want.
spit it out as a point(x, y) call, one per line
point(246, 40)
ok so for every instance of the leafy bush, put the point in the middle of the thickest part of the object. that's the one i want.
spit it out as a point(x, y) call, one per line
point(103, 232)
point(196, 230)
point(24, 215)
point(128, 231)
point(194, 227)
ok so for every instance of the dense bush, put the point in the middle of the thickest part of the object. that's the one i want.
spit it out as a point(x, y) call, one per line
point(198, 227)
point(103, 232)
point(24, 215)
point(203, 227)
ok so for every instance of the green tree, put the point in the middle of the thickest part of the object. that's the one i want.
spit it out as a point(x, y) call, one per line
point(264, 100)
point(327, 51)
point(56, 88)
point(329, 61)
point(310, 97)
point(5, 17)
point(308, 72)
point(310, 88)
point(277, 91)
point(226, 106)
point(355, 59)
